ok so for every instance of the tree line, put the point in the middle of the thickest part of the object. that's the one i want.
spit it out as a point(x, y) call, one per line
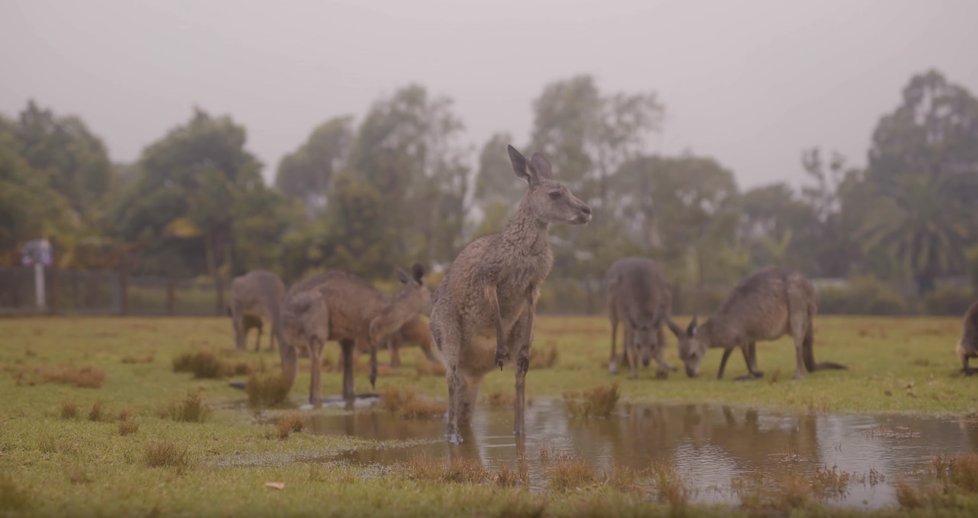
point(401, 185)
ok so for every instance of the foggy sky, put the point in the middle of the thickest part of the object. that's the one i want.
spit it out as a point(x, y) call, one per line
point(750, 83)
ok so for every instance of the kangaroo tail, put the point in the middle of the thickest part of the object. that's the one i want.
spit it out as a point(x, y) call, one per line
point(809, 355)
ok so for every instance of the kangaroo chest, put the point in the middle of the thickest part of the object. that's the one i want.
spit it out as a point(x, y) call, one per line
point(518, 284)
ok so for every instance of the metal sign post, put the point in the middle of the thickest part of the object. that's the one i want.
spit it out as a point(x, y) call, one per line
point(38, 253)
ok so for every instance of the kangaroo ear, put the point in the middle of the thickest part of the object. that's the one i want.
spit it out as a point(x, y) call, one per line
point(541, 166)
point(402, 275)
point(692, 327)
point(674, 327)
point(520, 166)
point(418, 271)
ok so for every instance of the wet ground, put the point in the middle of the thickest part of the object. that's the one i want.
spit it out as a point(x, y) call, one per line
point(710, 446)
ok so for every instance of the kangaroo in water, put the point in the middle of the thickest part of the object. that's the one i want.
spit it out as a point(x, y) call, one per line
point(256, 297)
point(343, 307)
point(482, 317)
point(639, 295)
point(765, 306)
point(968, 346)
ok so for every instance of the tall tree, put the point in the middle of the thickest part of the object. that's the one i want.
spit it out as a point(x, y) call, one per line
point(306, 173)
point(923, 169)
point(187, 188)
point(71, 159)
point(407, 150)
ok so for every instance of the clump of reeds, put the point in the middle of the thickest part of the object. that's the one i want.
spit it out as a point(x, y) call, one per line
point(12, 496)
point(288, 423)
point(84, 377)
point(599, 401)
point(458, 469)
point(202, 364)
point(191, 409)
point(69, 410)
point(406, 403)
point(544, 358)
point(567, 473)
point(165, 453)
point(266, 389)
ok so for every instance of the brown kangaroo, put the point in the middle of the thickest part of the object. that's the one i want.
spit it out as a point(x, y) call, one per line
point(638, 294)
point(256, 297)
point(414, 331)
point(345, 308)
point(482, 315)
point(765, 306)
point(968, 346)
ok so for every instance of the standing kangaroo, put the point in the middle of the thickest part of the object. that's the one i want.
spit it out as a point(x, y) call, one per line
point(345, 308)
point(639, 295)
point(256, 297)
point(765, 306)
point(968, 346)
point(483, 311)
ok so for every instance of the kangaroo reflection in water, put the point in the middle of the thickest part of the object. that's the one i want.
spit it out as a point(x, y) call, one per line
point(708, 445)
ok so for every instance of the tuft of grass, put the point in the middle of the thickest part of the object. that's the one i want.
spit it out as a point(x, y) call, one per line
point(164, 453)
point(203, 364)
point(12, 496)
point(960, 471)
point(599, 401)
point(407, 404)
point(84, 377)
point(568, 473)
point(266, 389)
point(128, 427)
point(544, 358)
point(462, 470)
point(288, 423)
point(506, 476)
point(96, 413)
point(191, 409)
point(126, 414)
point(499, 399)
point(670, 488)
point(830, 482)
point(134, 359)
point(77, 474)
point(425, 367)
point(69, 410)
point(908, 496)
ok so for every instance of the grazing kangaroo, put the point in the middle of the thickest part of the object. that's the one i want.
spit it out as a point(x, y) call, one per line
point(639, 295)
point(414, 331)
point(345, 308)
point(968, 346)
point(483, 311)
point(765, 306)
point(256, 297)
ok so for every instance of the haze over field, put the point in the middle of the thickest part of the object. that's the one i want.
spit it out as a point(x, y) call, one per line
point(750, 83)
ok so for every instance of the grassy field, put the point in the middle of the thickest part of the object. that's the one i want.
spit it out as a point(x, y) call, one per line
point(88, 405)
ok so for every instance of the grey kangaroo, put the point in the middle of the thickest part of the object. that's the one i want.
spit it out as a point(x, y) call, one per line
point(343, 307)
point(482, 317)
point(256, 297)
point(639, 295)
point(414, 331)
point(765, 306)
point(968, 346)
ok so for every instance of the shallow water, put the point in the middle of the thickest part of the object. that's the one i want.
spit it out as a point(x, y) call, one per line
point(709, 445)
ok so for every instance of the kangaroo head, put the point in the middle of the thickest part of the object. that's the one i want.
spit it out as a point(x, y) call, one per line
point(645, 338)
point(414, 293)
point(549, 200)
point(692, 346)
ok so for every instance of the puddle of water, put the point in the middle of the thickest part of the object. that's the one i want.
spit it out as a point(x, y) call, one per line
point(709, 445)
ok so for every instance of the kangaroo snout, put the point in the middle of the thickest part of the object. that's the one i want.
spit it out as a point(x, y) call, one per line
point(692, 373)
point(583, 214)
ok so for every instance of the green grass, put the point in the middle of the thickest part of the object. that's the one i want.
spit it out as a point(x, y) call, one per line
point(52, 465)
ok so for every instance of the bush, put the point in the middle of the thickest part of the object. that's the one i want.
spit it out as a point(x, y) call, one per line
point(949, 300)
point(863, 296)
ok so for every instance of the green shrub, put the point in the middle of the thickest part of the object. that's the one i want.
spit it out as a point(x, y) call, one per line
point(863, 296)
point(948, 300)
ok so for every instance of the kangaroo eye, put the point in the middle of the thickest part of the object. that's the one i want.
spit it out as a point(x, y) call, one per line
point(555, 195)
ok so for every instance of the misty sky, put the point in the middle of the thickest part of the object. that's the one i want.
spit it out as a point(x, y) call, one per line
point(750, 83)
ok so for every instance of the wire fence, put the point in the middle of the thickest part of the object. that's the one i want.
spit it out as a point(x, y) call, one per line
point(95, 292)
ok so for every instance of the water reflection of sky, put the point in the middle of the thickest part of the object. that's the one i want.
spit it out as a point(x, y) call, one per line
point(709, 445)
